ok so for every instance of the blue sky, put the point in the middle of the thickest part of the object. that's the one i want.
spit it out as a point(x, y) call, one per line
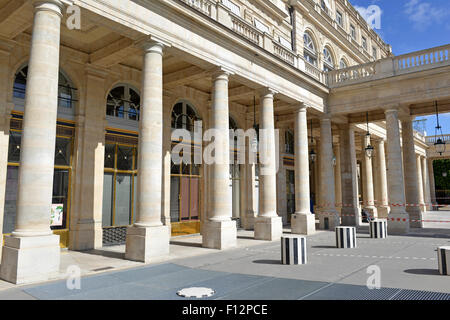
point(412, 25)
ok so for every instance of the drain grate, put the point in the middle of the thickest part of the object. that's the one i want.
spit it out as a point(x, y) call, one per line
point(103, 269)
point(196, 292)
point(421, 295)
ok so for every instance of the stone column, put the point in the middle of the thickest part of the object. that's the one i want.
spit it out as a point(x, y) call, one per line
point(86, 216)
point(398, 217)
point(32, 252)
point(349, 212)
point(410, 171)
point(337, 177)
point(148, 237)
point(420, 183)
point(268, 225)
point(432, 184)
point(5, 119)
point(328, 210)
point(250, 210)
point(281, 178)
point(303, 221)
point(426, 184)
point(383, 207)
point(219, 231)
point(317, 174)
point(367, 178)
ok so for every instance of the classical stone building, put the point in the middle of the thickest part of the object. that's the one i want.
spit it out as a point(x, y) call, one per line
point(87, 116)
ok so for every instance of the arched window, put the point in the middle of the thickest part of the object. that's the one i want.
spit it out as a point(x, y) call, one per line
point(343, 64)
point(309, 52)
point(328, 63)
point(123, 102)
point(66, 90)
point(289, 142)
point(184, 116)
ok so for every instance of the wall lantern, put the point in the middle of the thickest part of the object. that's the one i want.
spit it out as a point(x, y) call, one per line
point(439, 145)
point(368, 149)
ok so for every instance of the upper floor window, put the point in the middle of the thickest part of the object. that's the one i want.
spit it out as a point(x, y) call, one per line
point(374, 53)
point(289, 142)
point(343, 64)
point(353, 32)
point(285, 42)
point(364, 42)
point(66, 91)
point(261, 26)
point(339, 18)
point(232, 6)
point(328, 63)
point(184, 116)
point(325, 4)
point(123, 102)
point(310, 53)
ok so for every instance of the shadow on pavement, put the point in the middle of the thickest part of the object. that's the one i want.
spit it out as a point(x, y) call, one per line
point(432, 272)
point(267, 261)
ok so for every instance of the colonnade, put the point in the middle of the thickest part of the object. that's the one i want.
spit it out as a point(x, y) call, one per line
point(31, 252)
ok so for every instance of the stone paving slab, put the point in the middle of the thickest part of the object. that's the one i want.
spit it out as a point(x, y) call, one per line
point(253, 270)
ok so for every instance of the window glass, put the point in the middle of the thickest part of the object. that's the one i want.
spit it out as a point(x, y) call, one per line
point(66, 92)
point(124, 158)
point(15, 139)
point(123, 199)
point(63, 151)
point(328, 60)
point(108, 196)
point(339, 18)
point(110, 150)
point(353, 31)
point(310, 53)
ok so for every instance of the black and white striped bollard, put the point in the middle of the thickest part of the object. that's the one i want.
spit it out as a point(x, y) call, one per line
point(345, 237)
point(293, 250)
point(378, 229)
point(444, 260)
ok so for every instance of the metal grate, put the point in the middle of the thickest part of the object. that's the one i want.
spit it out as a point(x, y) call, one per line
point(421, 295)
point(114, 236)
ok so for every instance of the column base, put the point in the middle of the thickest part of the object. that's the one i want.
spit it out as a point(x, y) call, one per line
point(329, 221)
point(86, 236)
point(248, 223)
point(383, 212)
point(143, 244)
point(415, 218)
point(268, 228)
point(303, 223)
point(219, 234)
point(30, 259)
point(350, 216)
point(373, 212)
point(400, 224)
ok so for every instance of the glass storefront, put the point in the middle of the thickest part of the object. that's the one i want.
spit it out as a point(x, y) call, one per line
point(61, 178)
point(119, 183)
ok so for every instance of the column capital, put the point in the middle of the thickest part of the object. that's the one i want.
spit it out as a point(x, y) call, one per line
point(266, 91)
point(300, 107)
point(152, 44)
point(220, 73)
point(54, 6)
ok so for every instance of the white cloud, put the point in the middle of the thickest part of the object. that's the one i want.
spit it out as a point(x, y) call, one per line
point(423, 14)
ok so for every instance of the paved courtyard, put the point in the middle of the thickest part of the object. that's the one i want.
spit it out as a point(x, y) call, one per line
point(408, 266)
